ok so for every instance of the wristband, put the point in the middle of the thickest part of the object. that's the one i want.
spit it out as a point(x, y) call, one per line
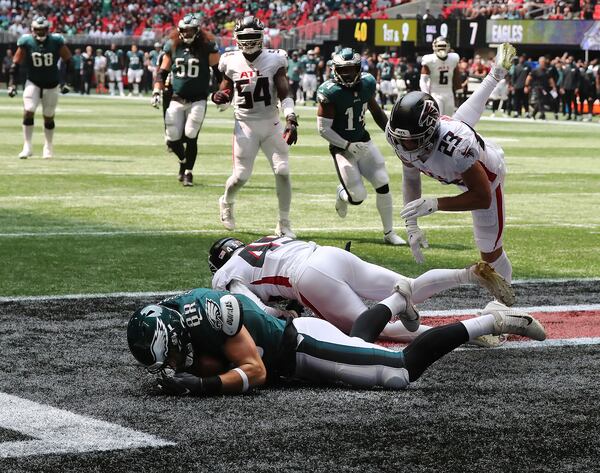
point(244, 376)
point(287, 104)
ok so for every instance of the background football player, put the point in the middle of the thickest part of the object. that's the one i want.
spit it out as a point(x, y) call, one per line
point(333, 283)
point(451, 151)
point(385, 78)
point(189, 55)
point(135, 69)
point(115, 69)
point(343, 102)
point(438, 73)
point(310, 68)
point(256, 79)
point(40, 51)
point(177, 336)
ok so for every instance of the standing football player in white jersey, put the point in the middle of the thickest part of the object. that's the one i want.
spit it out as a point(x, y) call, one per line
point(450, 150)
point(438, 71)
point(258, 79)
point(333, 283)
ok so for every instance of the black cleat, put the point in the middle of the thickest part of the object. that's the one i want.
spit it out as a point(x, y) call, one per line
point(188, 179)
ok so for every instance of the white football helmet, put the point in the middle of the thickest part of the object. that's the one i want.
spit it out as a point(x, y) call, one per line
point(39, 27)
point(441, 47)
point(249, 33)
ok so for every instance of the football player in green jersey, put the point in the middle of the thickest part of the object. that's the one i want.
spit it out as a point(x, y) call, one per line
point(343, 102)
point(189, 56)
point(207, 342)
point(135, 69)
point(115, 69)
point(385, 77)
point(40, 51)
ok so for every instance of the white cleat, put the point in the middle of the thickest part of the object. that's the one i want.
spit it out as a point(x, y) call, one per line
point(410, 318)
point(26, 153)
point(489, 279)
point(514, 321)
point(392, 238)
point(226, 212)
point(48, 151)
point(284, 228)
point(341, 206)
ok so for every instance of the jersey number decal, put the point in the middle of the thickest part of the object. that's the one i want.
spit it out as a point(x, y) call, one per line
point(254, 254)
point(449, 143)
point(42, 60)
point(261, 92)
point(443, 77)
point(350, 114)
point(189, 68)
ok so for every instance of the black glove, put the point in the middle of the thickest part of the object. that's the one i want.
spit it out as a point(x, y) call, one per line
point(180, 384)
point(295, 306)
point(221, 97)
point(12, 91)
point(65, 89)
point(290, 134)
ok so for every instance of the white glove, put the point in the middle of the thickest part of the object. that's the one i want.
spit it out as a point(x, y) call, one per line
point(416, 240)
point(358, 149)
point(155, 100)
point(419, 208)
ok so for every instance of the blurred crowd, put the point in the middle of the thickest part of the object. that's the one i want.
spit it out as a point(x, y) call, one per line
point(109, 18)
point(522, 9)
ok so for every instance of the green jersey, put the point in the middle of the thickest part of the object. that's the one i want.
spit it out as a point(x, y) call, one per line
point(42, 59)
point(154, 55)
point(386, 70)
point(293, 70)
point(114, 59)
point(350, 106)
point(191, 72)
point(135, 60)
point(209, 328)
point(309, 66)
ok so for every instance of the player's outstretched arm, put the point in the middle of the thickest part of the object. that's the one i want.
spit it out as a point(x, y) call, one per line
point(13, 71)
point(378, 114)
point(287, 104)
point(325, 116)
point(478, 195)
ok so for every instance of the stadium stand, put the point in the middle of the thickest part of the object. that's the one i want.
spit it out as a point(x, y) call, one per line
point(522, 9)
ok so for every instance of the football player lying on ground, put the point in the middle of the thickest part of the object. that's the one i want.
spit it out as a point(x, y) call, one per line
point(172, 338)
point(450, 150)
point(333, 282)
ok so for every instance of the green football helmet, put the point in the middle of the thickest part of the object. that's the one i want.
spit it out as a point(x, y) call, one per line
point(155, 334)
point(346, 67)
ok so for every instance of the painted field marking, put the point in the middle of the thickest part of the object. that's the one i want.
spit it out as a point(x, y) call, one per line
point(60, 431)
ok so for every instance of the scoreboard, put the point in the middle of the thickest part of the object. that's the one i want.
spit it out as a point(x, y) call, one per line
point(356, 33)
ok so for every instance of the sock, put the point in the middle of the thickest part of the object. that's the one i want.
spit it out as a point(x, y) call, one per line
point(284, 215)
point(111, 88)
point(49, 135)
point(503, 267)
point(343, 194)
point(283, 185)
point(437, 280)
point(232, 187)
point(478, 326)
point(191, 151)
point(177, 147)
point(470, 112)
point(431, 345)
point(120, 84)
point(27, 136)
point(371, 322)
point(136, 88)
point(385, 207)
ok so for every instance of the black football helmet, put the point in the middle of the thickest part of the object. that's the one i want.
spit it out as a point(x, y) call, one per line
point(413, 124)
point(221, 251)
point(249, 33)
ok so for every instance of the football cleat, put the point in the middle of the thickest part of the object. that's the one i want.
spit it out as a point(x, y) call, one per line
point(410, 318)
point(188, 179)
point(488, 341)
point(341, 205)
point(226, 212)
point(26, 153)
point(392, 238)
point(47, 153)
point(284, 228)
point(489, 279)
point(514, 321)
point(503, 62)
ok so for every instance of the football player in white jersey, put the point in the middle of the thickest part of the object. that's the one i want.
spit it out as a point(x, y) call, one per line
point(438, 71)
point(451, 151)
point(333, 283)
point(255, 79)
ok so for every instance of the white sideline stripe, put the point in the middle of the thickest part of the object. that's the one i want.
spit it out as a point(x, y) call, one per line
point(109, 295)
point(60, 431)
point(258, 230)
point(541, 308)
point(553, 342)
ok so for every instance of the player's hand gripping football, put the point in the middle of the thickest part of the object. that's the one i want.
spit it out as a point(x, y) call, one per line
point(419, 208)
point(416, 240)
point(290, 134)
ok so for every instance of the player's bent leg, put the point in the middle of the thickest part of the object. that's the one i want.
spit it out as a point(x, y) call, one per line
point(191, 152)
point(350, 179)
point(325, 354)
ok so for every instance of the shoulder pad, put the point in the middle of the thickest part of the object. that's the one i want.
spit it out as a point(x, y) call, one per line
point(58, 38)
point(368, 81)
point(327, 91)
point(224, 313)
point(23, 40)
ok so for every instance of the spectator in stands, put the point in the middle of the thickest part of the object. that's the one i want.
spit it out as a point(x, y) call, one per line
point(478, 69)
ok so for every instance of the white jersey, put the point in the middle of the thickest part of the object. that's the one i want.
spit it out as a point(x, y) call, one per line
point(269, 267)
point(455, 149)
point(441, 72)
point(255, 94)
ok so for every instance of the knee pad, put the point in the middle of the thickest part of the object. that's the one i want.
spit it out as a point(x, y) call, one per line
point(49, 124)
point(383, 189)
point(27, 121)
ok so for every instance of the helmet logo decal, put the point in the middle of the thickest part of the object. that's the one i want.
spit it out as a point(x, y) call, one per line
point(213, 312)
point(429, 114)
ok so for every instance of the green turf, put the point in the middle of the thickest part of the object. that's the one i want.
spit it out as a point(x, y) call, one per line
point(107, 213)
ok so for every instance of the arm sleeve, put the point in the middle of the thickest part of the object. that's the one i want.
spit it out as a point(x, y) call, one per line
point(425, 83)
point(325, 130)
point(237, 287)
point(411, 184)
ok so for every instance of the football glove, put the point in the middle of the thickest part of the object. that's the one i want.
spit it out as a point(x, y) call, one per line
point(155, 100)
point(294, 309)
point(357, 150)
point(65, 89)
point(180, 384)
point(12, 91)
point(221, 97)
point(290, 134)
point(416, 240)
point(419, 208)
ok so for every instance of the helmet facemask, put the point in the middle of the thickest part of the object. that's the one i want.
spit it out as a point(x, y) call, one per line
point(348, 74)
point(441, 48)
point(249, 42)
point(40, 28)
point(188, 34)
point(414, 146)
